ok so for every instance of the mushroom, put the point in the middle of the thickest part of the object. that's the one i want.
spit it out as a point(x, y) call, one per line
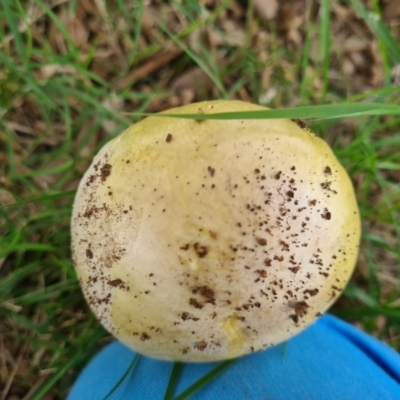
point(208, 240)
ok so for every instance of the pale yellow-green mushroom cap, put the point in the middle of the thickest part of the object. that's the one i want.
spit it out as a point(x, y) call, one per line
point(202, 241)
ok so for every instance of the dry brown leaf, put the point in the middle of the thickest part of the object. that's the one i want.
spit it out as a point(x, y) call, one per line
point(78, 32)
point(49, 70)
point(187, 96)
point(357, 59)
point(354, 44)
point(294, 36)
point(6, 182)
point(102, 66)
point(396, 75)
point(151, 19)
point(56, 39)
point(23, 368)
point(267, 96)
point(113, 104)
point(234, 33)
point(195, 79)
point(342, 13)
point(159, 60)
point(266, 9)
point(236, 10)
point(89, 7)
point(348, 67)
point(391, 10)
point(289, 18)
point(6, 197)
point(196, 40)
point(244, 95)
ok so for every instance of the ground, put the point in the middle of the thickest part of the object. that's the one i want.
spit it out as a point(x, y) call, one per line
point(76, 73)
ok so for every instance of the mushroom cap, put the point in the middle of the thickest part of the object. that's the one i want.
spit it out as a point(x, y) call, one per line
point(208, 240)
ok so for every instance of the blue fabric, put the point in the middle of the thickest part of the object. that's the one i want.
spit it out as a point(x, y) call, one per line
point(331, 360)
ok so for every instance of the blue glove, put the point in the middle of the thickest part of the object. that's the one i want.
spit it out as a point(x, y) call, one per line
point(331, 360)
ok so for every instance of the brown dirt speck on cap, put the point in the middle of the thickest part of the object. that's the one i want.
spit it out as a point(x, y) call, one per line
point(105, 171)
point(301, 308)
point(261, 241)
point(168, 139)
point(89, 253)
point(262, 273)
point(200, 250)
point(185, 316)
point(278, 175)
point(144, 336)
point(91, 179)
point(201, 345)
point(213, 234)
point(300, 123)
point(193, 302)
point(115, 282)
point(311, 292)
point(206, 292)
point(326, 215)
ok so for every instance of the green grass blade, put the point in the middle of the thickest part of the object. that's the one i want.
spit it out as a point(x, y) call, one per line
point(45, 294)
point(329, 111)
point(62, 28)
point(304, 66)
point(137, 21)
point(210, 18)
point(353, 291)
point(207, 378)
point(368, 311)
point(95, 103)
point(27, 247)
point(325, 45)
point(13, 24)
point(15, 277)
point(27, 323)
point(71, 363)
point(173, 381)
point(123, 377)
point(198, 60)
point(42, 199)
point(29, 80)
point(380, 29)
point(383, 47)
point(55, 170)
point(73, 5)
point(375, 93)
point(64, 60)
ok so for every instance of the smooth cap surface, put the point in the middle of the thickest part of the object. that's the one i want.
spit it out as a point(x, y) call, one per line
point(201, 241)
